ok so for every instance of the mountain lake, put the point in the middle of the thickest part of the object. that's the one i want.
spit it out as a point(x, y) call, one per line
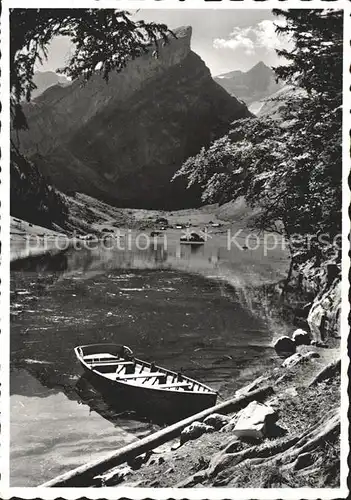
point(185, 308)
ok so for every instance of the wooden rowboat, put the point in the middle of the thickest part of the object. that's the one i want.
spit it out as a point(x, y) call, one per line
point(140, 386)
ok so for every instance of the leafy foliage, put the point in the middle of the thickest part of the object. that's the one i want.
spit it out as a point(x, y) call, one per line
point(316, 66)
point(290, 168)
point(104, 40)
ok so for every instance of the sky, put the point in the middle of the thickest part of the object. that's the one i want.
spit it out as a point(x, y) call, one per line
point(226, 40)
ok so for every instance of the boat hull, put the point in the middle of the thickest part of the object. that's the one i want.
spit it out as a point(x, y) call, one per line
point(158, 405)
point(192, 242)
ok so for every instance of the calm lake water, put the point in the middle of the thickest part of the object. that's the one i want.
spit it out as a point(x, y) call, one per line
point(184, 308)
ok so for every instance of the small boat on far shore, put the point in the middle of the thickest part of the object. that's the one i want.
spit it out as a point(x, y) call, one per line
point(141, 386)
point(192, 239)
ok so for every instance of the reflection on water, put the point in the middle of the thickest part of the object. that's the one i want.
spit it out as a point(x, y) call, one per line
point(219, 256)
point(51, 433)
point(146, 299)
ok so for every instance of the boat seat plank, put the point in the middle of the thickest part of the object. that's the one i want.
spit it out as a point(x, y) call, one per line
point(101, 361)
point(112, 363)
point(175, 385)
point(101, 356)
point(141, 375)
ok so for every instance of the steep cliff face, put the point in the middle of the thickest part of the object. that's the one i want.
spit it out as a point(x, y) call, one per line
point(314, 294)
point(323, 282)
point(123, 141)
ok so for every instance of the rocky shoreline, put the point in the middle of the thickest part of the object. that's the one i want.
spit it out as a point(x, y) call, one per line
point(288, 438)
point(281, 442)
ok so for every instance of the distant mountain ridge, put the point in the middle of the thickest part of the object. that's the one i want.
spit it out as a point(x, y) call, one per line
point(45, 79)
point(250, 86)
point(123, 141)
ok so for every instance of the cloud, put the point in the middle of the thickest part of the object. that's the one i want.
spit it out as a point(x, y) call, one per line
point(237, 40)
point(249, 39)
point(267, 36)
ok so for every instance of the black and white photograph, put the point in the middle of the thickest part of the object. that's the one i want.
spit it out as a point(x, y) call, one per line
point(174, 249)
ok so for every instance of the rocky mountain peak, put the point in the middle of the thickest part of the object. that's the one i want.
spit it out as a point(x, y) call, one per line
point(261, 70)
point(45, 79)
point(252, 85)
point(184, 32)
point(176, 49)
point(122, 141)
point(259, 67)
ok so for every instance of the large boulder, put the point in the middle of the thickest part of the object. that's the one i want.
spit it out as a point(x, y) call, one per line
point(230, 426)
point(194, 431)
point(301, 337)
point(255, 421)
point(285, 346)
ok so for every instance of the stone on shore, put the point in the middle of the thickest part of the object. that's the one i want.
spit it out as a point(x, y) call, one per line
point(255, 421)
point(285, 346)
point(301, 337)
point(194, 431)
point(217, 421)
point(292, 360)
point(230, 426)
point(298, 358)
point(114, 476)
